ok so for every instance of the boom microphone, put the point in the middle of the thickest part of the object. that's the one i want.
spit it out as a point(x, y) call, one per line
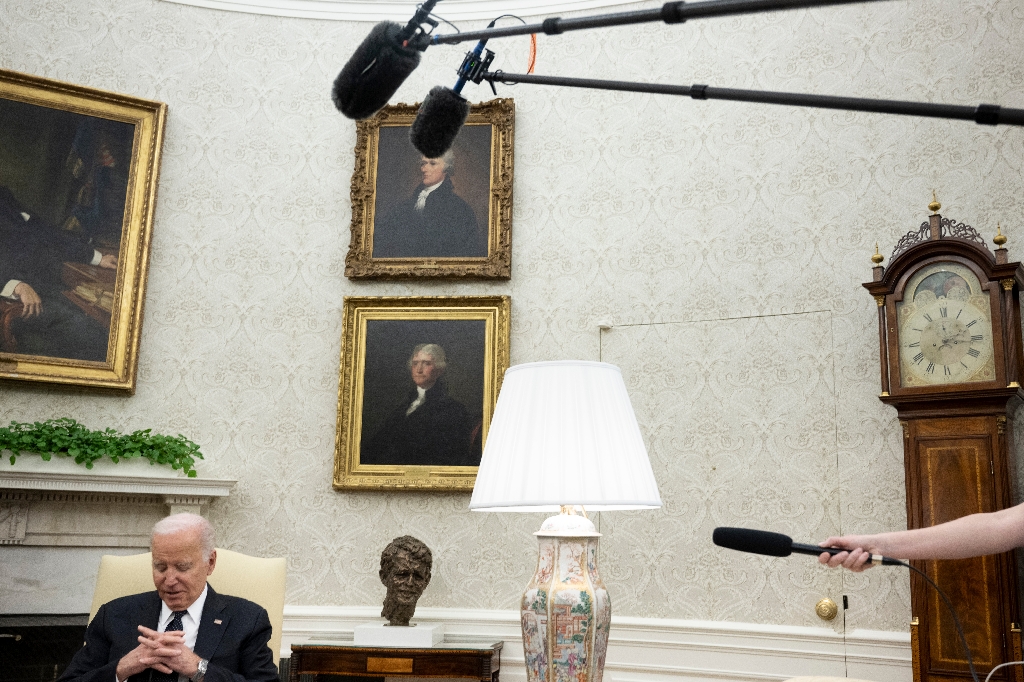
point(444, 110)
point(438, 121)
point(381, 64)
point(374, 72)
point(777, 544)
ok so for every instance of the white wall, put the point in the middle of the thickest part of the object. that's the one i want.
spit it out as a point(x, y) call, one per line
point(637, 209)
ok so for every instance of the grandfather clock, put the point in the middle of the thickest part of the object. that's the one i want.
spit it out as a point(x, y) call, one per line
point(949, 332)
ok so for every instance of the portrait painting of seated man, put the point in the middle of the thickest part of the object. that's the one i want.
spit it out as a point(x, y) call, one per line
point(63, 184)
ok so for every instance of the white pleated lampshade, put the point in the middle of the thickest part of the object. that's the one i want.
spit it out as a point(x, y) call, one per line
point(564, 433)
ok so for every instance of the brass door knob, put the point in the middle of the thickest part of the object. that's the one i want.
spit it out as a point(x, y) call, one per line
point(826, 609)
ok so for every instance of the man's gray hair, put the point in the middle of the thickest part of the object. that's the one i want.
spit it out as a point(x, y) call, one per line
point(448, 159)
point(433, 350)
point(176, 523)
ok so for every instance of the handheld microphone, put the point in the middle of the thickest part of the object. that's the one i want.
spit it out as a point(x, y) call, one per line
point(777, 544)
point(444, 110)
point(380, 65)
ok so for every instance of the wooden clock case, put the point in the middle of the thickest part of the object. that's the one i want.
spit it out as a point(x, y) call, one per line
point(958, 456)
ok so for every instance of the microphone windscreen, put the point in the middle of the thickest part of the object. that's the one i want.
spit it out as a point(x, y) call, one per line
point(754, 541)
point(374, 72)
point(438, 121)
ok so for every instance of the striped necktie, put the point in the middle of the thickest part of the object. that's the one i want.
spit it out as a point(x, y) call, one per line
point(174, 626)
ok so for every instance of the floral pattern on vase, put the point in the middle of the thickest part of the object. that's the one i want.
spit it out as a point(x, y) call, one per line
point(567, 593)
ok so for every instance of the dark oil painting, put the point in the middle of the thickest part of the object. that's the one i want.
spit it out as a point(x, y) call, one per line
point(423, 393)
point(432, 208)
point(63, 184)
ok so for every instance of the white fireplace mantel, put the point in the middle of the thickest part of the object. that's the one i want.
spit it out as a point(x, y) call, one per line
point(62, 504)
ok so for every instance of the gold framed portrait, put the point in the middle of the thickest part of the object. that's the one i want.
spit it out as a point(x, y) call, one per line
point(419, 380)
point(78, 178)
point(449, 217)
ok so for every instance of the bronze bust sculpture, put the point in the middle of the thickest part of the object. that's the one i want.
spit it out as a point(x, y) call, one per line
point(405, 570)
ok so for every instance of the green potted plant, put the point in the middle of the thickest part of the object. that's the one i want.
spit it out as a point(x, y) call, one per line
point(66, 438)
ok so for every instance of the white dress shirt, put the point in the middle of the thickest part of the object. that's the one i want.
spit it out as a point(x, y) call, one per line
point(189, 622)
point(420, 398)
point(421, 200)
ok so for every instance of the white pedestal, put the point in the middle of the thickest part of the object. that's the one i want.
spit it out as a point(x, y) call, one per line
point(413, 635)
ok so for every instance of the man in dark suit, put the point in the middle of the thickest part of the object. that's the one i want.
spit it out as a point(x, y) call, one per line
point(434, 222)
point(32, 252)
point(182, 631)
point(429, 427)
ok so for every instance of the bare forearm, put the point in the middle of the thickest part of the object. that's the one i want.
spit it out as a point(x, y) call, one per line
point(968, 536)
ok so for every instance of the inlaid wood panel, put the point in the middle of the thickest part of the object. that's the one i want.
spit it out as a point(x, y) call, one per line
point(961, 465)
point(953, 461)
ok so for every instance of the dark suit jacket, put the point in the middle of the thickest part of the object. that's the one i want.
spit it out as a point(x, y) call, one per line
point(446, 227)
point(32, 251)
point(236, 647)
point(438, 432)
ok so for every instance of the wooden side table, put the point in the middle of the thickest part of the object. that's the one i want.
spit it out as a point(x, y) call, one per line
point(478, 661)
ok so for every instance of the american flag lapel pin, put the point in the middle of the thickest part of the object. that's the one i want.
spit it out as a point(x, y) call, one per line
point(217, 621)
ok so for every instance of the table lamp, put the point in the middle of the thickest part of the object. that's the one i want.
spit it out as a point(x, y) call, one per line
point(564, 435)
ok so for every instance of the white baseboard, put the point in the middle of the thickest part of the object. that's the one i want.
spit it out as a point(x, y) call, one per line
point(652, 649)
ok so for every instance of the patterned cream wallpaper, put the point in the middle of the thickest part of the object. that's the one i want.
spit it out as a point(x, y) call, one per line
point(726, 244)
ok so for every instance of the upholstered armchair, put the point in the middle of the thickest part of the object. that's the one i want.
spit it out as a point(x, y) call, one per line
point(258, 580)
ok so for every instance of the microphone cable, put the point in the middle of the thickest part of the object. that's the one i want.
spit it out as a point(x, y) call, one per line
point(1001, 665)
point(956, 622)
point(531, 61)
point(441, 19)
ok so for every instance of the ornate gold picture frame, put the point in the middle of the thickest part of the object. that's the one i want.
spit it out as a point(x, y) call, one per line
point(419, 381)
point(443, 218)
point(78, 178)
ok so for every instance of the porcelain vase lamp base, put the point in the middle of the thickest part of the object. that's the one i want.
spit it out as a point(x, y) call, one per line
point(565, 609)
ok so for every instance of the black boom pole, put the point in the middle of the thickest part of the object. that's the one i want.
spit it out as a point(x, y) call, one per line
point(670, 13)
point(985, 114)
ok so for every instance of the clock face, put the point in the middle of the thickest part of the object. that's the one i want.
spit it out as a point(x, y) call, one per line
point(945, 329)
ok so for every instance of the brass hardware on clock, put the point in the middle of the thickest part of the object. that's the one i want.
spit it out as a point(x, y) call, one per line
point(826, 609)
point(1000, 238)
point(878, 258)
point(934, 206)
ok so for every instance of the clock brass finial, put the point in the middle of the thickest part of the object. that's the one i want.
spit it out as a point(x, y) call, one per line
point(934, 206)
point(877, 258)
point(1000, 238)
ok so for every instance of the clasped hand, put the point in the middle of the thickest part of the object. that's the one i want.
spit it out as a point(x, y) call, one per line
point(162, 651)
